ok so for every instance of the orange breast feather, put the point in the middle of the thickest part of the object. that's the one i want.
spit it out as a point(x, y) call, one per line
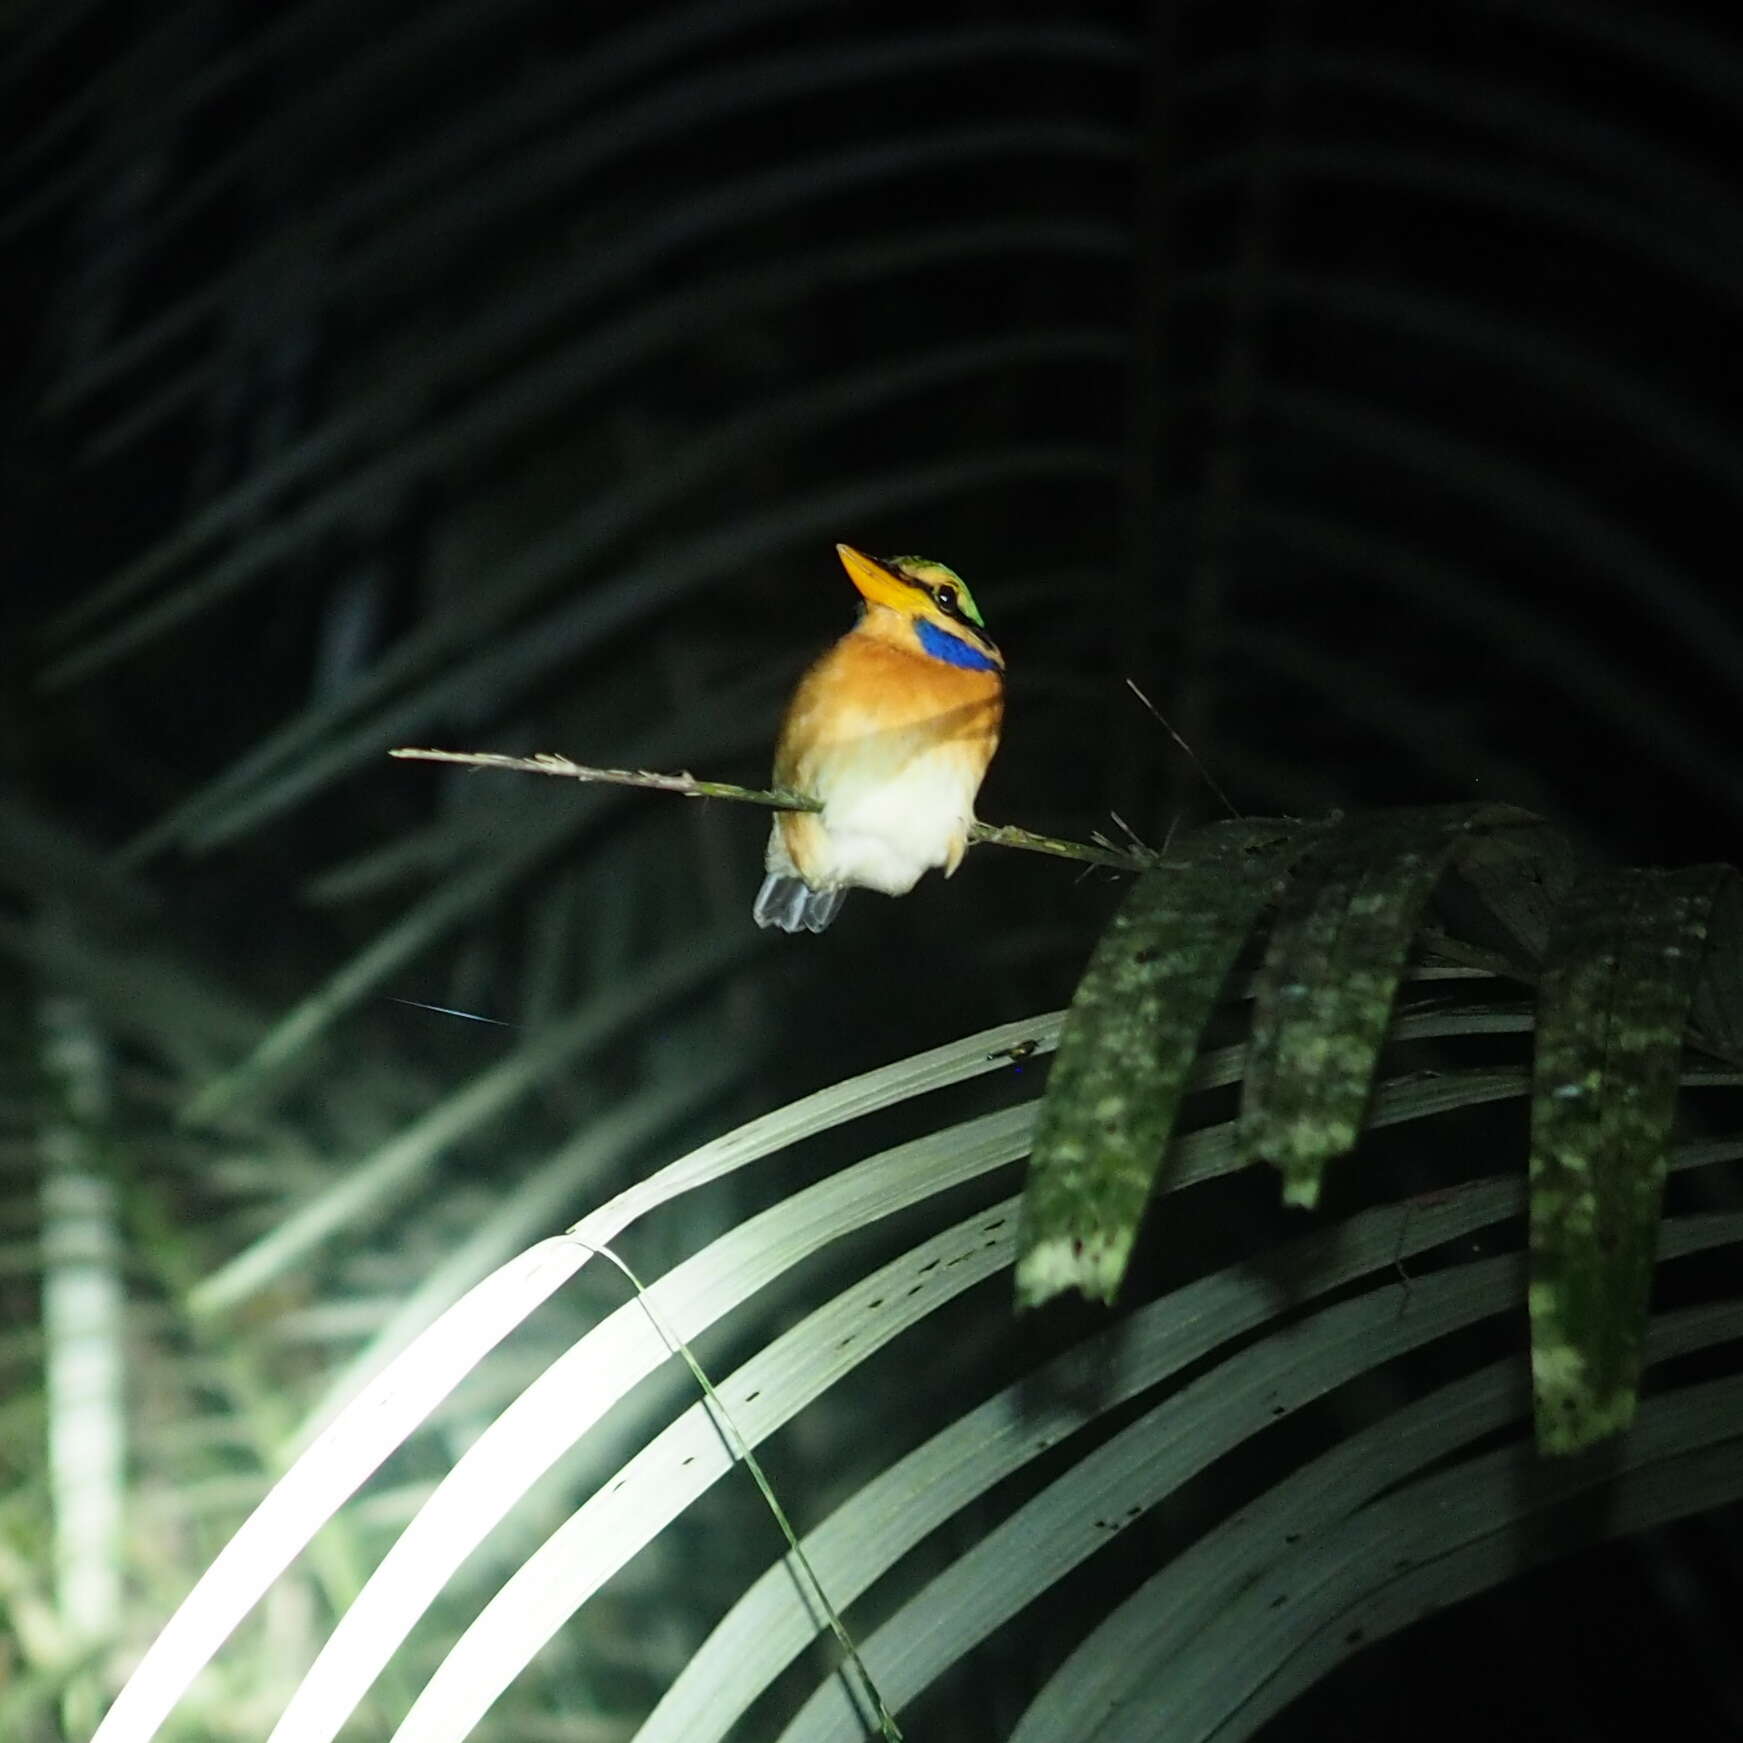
point(871, 715)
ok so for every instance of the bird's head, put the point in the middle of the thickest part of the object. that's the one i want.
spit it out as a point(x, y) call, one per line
point(933, 601)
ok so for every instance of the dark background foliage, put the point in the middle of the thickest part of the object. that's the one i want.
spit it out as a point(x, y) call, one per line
point(1358, 378)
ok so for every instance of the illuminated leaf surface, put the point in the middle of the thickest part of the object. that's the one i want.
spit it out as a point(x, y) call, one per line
point(1324, 996)
point(1616, 990)
point(1127, 1050)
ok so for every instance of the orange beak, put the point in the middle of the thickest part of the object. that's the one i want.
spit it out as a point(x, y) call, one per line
point(874, 580)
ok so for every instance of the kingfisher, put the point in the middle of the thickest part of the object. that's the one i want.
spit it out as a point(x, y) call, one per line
point(891, 730)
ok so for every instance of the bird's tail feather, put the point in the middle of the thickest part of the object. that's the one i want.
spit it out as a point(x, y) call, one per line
point(791, 904)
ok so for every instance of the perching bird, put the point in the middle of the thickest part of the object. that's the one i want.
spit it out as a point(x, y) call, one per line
point(892, 731)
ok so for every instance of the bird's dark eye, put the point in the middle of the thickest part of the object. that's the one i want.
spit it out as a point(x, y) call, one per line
point(946, 597)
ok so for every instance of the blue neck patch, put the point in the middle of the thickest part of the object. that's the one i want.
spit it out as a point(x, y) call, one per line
point(952, 649)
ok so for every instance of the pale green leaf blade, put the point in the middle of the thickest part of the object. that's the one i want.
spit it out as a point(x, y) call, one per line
point(1135, 1649)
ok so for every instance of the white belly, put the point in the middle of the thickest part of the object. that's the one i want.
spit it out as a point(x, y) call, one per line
point(883, 833)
